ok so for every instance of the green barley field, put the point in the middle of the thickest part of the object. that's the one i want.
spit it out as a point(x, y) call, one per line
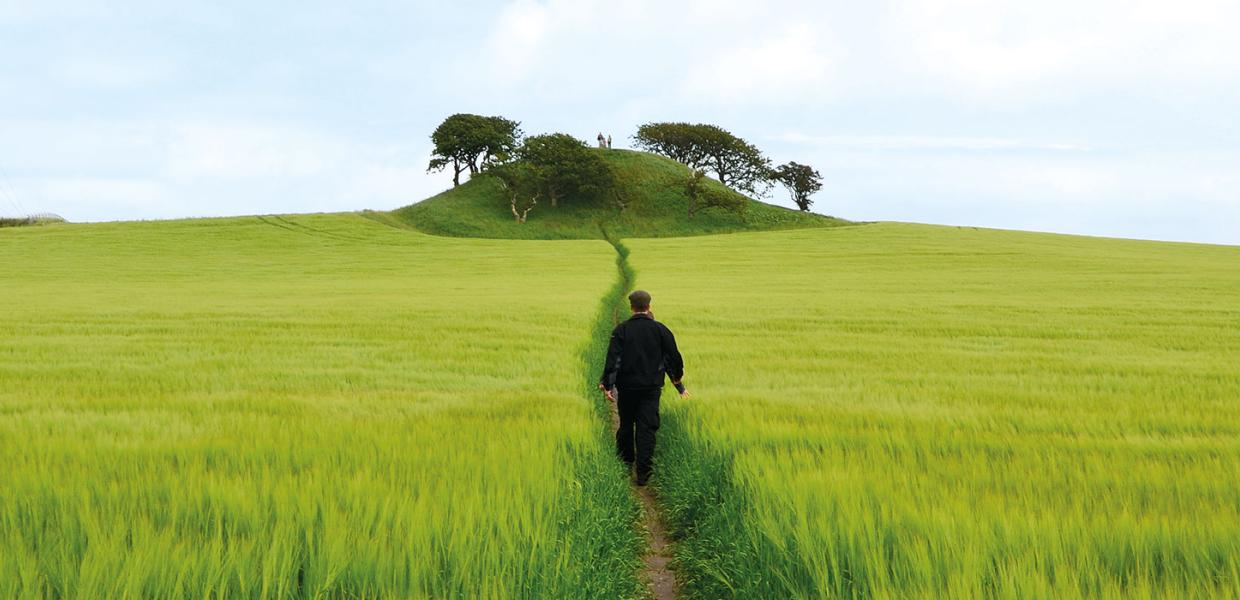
point(303, 407)
point(905, 411)
point(341, 406)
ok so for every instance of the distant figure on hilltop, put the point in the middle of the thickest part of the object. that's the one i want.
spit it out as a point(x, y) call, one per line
point(608, 142)
point(641, 353)
point(601, 140)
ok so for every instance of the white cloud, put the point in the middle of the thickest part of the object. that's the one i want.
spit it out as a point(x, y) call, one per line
point(1147, 195)
point(206, 168)
point(801, 53)
point(517, 42)
point(99, 197)
point(725, 53)
point(793, 64)
point(924, 142)
point(22, 11)
point(244, 150)
point(96, 72)
point(1055, 49)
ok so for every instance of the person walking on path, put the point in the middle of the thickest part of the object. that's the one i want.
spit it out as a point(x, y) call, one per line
point(641, 353)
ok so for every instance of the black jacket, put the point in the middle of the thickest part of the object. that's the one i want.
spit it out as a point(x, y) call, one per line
point(641, 352)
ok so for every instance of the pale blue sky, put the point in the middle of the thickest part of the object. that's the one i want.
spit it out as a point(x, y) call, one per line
point(1103, 117)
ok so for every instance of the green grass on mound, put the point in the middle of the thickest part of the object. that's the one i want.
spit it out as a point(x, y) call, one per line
point(652, 189)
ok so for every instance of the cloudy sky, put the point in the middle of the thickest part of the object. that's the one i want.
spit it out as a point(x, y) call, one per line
point(1103, 117)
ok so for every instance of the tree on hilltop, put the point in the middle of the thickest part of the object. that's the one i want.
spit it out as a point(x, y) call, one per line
point(472, 142)
point(735, 162)
point(565, 166)
point(802, 181)
point(677, 141)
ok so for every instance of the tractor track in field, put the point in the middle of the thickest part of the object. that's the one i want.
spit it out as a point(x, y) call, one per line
point(283, 223)
point(657, 572)
point(316, 231)
point(301, 228)
point(287, 225)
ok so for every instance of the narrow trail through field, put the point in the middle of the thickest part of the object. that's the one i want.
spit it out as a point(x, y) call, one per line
point(658, 574)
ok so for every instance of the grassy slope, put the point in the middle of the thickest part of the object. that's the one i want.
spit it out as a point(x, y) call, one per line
point(656, 207)
point(302, 406)
point(914, 411)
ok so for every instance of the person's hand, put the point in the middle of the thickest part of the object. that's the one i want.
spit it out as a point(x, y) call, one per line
point(685, 394)
point(611, 394)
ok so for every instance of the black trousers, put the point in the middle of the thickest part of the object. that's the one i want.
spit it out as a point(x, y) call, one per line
point(639, 420)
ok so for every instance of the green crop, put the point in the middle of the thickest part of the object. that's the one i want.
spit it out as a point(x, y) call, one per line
point(901, 411)
point(338, 406)
point(310, 406)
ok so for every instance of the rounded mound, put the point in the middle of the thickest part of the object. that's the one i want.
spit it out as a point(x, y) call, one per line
point(650, 186)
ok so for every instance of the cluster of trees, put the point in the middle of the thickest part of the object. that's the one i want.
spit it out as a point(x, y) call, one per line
point(473, 143)
point(735, 162)
point(555, 166)
point(547, 167)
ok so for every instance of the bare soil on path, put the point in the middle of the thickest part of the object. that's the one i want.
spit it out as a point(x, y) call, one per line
point(658, 574)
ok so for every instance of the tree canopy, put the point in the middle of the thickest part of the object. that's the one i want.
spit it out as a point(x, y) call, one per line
point(472, 142)
point(677, 141)
point(802, 181)
point(564, 166)
point(735, 162)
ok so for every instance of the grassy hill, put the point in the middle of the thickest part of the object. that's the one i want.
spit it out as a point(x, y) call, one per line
point(651, 186)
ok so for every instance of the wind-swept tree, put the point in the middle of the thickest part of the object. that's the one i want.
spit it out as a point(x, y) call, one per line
point(677, 141)
point(472, 142)
point(565, 166)
point(802, 181)
point(735, 162)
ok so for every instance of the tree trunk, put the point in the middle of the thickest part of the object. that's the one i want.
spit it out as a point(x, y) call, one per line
point(456, 172)
point(523, 214)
